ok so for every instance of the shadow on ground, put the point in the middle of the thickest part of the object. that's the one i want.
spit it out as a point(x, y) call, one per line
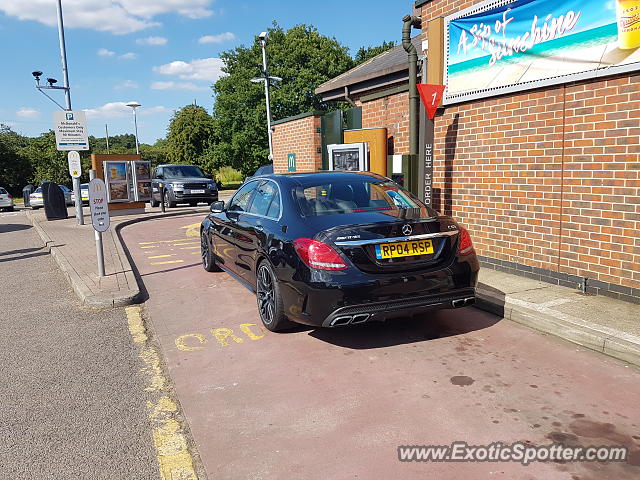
point(13, 227)
point(399, 331)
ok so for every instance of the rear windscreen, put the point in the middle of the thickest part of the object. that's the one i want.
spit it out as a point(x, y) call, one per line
point(2, 191)
point(349, 196)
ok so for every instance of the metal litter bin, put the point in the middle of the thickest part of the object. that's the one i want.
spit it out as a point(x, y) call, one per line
point(26, 193)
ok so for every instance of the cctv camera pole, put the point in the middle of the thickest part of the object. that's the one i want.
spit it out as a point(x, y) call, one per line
point(67, 97)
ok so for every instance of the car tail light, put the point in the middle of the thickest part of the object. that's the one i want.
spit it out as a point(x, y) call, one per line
point(465, 246)
point(318, 255)
point(9, 196)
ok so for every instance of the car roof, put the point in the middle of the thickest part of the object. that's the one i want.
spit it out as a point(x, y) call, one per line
point(176, 165)
point(326, 175)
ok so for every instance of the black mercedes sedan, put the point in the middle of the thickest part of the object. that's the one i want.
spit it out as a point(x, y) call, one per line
point(338, 248)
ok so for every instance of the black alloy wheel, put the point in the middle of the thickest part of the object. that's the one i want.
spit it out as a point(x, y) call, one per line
point(208, 260)
point(270, 304)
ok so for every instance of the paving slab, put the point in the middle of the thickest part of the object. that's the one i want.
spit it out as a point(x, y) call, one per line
point(601, 323)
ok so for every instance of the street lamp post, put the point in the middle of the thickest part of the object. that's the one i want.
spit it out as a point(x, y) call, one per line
point(267, 83)
point(135, 105)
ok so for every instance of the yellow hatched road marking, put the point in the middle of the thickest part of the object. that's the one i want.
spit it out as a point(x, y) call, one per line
point(192, 230)
point(162, 256)
point(188, 248)
point(167, 262)
point(161, 241)
point(187, 243)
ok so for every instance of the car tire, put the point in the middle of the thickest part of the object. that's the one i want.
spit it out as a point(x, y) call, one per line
point(154, 203)
point(270, 305)
point(168, 203)
point(208, 259)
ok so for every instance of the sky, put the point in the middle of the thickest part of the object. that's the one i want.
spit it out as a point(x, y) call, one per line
point(163, 54)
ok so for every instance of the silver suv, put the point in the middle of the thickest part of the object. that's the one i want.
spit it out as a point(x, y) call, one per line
point(182, 184)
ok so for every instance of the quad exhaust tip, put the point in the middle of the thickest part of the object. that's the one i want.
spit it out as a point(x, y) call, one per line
point(463, 302)
point(350, 319)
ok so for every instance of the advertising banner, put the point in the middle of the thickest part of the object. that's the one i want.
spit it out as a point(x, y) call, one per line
point(499, 47)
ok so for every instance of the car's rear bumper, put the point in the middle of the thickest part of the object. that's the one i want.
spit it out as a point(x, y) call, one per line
point(380, 297)
point(404, 307)
point(6, 203)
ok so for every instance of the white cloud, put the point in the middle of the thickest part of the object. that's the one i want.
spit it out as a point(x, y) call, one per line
point(127, 84)
point(207, 69)
point(114, 16)
point(152, 41)
point(155, 110)
point(176, 86)
point(26, 112)
point(219, 38)
point(128, 56)
point(120, 109)
point(103, 52)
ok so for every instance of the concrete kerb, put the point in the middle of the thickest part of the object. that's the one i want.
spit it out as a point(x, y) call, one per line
point(616, 344)
point(84, 293)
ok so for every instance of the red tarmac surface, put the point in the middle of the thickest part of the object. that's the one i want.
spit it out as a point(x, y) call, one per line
point(335, 404)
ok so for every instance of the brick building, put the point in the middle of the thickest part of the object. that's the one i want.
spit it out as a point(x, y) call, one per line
point(546, 177)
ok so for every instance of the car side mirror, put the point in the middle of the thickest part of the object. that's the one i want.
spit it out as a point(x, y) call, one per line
point(217, 207)
point(210, 177)
point(160, 176)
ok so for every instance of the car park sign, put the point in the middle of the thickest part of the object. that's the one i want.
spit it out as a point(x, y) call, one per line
point(71, 130)
point(98, 205)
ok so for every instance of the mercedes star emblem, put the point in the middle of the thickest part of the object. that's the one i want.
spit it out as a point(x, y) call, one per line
point(406, 229)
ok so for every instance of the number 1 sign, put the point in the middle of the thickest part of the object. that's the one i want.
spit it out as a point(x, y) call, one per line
point(431, 97)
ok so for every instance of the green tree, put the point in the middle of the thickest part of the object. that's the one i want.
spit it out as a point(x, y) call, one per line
point(156, 153)
point(303, 58)
point(47, 163)
point(366, 53)
point(124, 144)
point(15, 168)
point(189, 136)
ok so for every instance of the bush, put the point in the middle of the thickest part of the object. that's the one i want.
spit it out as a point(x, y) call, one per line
point(229, 175)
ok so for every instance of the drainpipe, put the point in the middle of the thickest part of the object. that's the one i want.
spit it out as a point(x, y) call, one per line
point(414, 98)
point(347, 96)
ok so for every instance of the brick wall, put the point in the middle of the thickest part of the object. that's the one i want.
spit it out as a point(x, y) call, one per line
point(298, 136)
point(548, 179)
point(392, 113)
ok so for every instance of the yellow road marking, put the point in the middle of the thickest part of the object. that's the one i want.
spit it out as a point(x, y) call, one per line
point(167, 262)
point(192, 230)
point(180, 342)
point(162, 256)
point(136, 327)
point(195, 253)
point(187, 243)
point(188, 248)
point(172, 451)
point(152, 246)
point(161, 241)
